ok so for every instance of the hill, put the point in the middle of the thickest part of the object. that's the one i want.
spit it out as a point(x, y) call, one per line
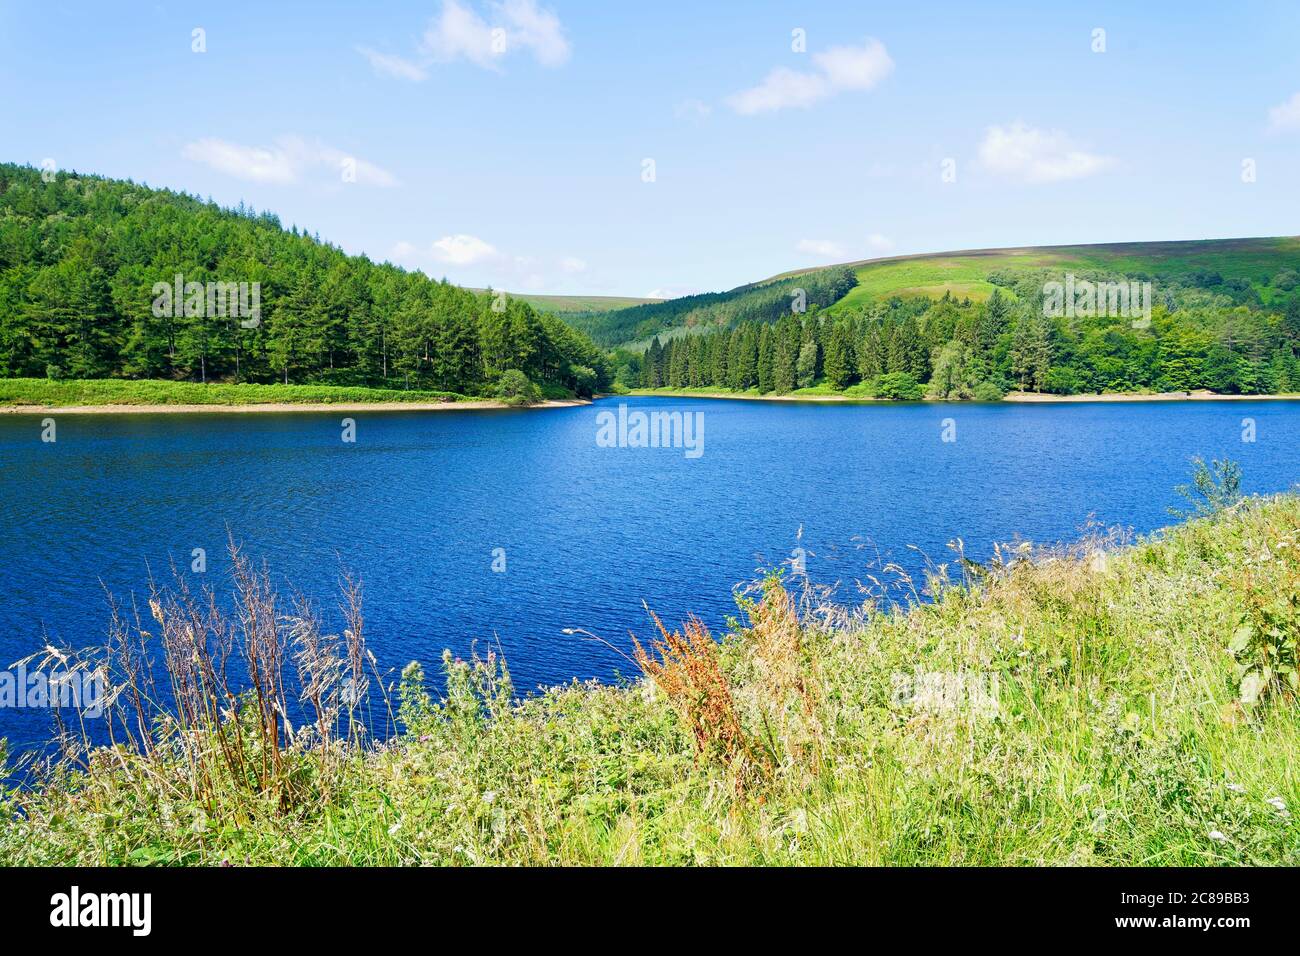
point(759, 301)
point(1216, 315)
point(966, 275)
point(1077, 706)
point(103, 278)
point(567, 305)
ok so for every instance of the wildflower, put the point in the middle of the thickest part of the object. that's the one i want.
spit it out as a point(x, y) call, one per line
point(1277, 803)
point(489, 796)
point(392, 831)
point(1216, 835)
point(1236, 788)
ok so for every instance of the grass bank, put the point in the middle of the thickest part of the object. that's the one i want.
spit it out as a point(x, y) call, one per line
point(1135, 705)
point(859, 393)
point(18, 394)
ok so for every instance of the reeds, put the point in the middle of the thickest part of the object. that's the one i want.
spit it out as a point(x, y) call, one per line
point(235, 705)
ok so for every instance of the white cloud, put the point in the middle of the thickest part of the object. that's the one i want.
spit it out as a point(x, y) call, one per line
point(855, 68)
point(245, 162)
point(1285, 116)
point(366, 173)
point(285, 162)
point(462, 250)
point(459, 32)
point(874, 245)
point(692, 109)
point(536, 29)
point(1022, 152)
point(838, 69)
point(823, 248)
point(670, 292)
point(390, 64)
point(476, 261)
point(781, 88)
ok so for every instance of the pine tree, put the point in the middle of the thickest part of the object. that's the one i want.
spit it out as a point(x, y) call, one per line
point(839, 362)
point(993, 321)
point(806, 370)
point(871, 353)
point(654, 371)
point(718, 367)
point(784, 364)
point(765, 359)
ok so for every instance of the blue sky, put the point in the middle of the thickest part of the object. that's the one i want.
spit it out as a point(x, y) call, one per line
point(504, 143)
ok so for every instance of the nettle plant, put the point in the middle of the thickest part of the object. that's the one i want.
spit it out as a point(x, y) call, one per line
point(1264, 644)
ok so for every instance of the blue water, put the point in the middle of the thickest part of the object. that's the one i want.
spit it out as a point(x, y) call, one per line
point(417, 505)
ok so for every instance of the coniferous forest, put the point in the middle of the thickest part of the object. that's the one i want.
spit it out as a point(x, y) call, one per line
point(1205, 332)
point(80, 257)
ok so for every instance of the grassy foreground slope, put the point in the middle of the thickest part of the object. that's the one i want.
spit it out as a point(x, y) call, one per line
point(1066, 709)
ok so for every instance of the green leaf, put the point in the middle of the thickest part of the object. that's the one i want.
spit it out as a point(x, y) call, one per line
point(1252, 685)
point(1241, 638)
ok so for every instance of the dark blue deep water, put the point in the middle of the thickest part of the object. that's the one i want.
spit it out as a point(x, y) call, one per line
point(418, 503)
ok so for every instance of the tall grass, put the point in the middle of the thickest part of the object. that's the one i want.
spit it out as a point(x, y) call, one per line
point(1077, 706)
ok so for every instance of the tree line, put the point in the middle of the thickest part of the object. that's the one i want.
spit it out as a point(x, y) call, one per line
point(82, 257)
point(949, 348)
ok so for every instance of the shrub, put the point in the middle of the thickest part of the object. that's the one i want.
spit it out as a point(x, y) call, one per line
point(897, 386)
point(1214, 487)
point(1062, 381)
point(584, 380)
point(514, 388)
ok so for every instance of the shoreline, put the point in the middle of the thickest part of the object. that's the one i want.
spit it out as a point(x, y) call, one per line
point(268, 407)
point(670, 393)
point(1031, 398)
point(1021, 398)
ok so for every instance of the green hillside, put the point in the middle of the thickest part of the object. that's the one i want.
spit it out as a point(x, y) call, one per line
point(567, 305)
point(101, 278)
point(1218, 315)
point(966, 275)
point(764, 301)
